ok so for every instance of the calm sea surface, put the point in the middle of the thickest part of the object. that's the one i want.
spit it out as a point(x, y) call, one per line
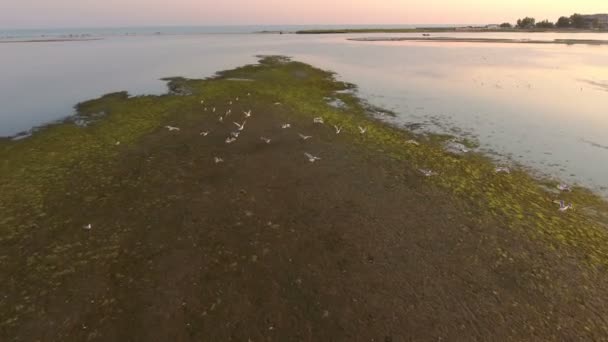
point(544, 106)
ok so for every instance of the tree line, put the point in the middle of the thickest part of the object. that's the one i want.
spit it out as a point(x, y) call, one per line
point(574, 21)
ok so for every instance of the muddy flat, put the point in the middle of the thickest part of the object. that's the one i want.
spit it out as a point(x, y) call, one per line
point(144, 224)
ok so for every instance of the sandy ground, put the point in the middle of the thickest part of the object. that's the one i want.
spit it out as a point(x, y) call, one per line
point(267, 246)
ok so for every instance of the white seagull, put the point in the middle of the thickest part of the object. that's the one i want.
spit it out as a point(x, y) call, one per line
point(204, 133)
point(362, 130)
point(502, 169)
point(237, 98)
point(213, 110)
point(228, 112)
point(202, 101)
point(240, 126)
point(311, 158)
point(413, 142)
point(218, 160)
point(230, 103)
point(221, 119)
point(266, 140)
point(318, 120)
point(88, 226)
point(563, 206)
point(247, 114)
point(304, 137)
point(338, 129)
point(277, 103)
point(117, 143)
point(564, 187)
point(427, 173)
point(283, 126)
point(455, 147)
point(205, 109)
point(171, 128)
point(235, 134)
point(230, 140)
point(248, 94)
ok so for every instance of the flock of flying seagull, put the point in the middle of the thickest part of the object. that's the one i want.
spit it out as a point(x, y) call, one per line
point(338, 129)
point(240, 126)
point(311, 158)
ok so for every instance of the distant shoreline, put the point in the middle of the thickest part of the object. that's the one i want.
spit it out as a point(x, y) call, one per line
point(58, 40)
point(482, 40)
point(440, 30)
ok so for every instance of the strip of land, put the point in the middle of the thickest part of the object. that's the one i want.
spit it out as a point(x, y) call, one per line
point(53, 40)
point(144, 224)
point(482, 40)
point(439, 30)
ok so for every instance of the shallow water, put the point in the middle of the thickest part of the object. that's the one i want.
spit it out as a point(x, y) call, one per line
point(545, 106)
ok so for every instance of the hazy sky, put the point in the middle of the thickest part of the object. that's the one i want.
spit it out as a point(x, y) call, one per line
point(88, 13)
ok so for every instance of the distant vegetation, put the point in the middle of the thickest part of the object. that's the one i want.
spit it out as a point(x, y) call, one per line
point(575, 21)
point(526, 22)
point(545, 24)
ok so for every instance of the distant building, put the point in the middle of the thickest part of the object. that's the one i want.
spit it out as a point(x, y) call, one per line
point(596, 21)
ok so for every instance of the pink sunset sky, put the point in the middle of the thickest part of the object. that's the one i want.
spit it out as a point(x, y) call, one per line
point(91, 13)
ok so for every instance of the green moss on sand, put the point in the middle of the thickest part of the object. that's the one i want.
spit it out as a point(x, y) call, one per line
point(34, 170)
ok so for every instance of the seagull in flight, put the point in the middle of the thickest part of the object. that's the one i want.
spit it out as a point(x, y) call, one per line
point(564, 187)
point(502, 169)
point(171, 128)
point(88, 226)
point(362, 130)
point(311, 158)
point(427, 173)
point(240, 126)
point(318, 120)
point(304, 137)
point(218, 160)
point(204, 133)
point(455, 147)
point(235, 134)
point(277, 103)
point(230, 140)
point(413, 142)
point(283, 126)
point(338, 129)
point(563, 206)
point(266, 140)
point(247, 114)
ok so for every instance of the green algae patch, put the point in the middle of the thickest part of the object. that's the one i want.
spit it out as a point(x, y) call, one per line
point(38, 169)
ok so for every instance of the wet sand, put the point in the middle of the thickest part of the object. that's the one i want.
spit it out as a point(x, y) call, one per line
point(267, 246)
